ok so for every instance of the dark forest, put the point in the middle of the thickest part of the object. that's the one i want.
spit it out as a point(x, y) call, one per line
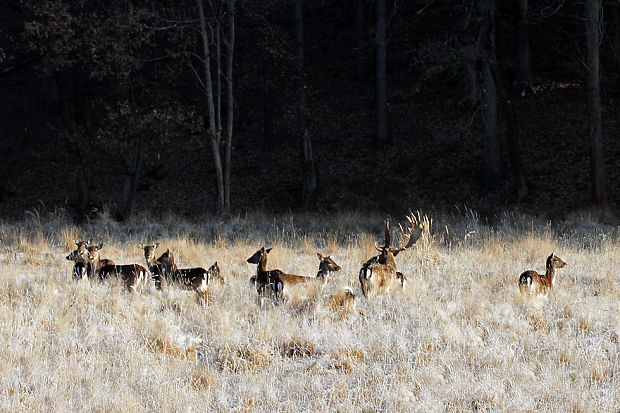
point(217, 107)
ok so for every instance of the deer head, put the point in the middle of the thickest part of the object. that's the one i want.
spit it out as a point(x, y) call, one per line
point(326, 265)
point(553, 261)
point(149, 252)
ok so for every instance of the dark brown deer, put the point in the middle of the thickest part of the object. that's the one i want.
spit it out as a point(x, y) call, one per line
point(379, 273)
point(196, 278)
point(281, 283)
point(263, 280)
point(80, 257)
point(132, 275)
point(531, 282)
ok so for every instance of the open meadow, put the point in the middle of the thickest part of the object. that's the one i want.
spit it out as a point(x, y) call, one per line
point(458, 337)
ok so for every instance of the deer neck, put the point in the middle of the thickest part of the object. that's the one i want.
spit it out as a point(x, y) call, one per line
point(262, 265)
point(550, 275)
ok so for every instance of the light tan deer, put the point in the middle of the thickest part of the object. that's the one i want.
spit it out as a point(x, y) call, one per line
point(531, 282)
point(379, 273)
point(79, 257)
point(132, 275)
point(342, 304)
point(149, 255)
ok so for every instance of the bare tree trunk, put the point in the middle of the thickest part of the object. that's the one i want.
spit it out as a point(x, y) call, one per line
point(512, 133)
point(597, 161)
point(470, 88)
point(134, 173)
point(309, 178)
point(211, 131)
point(382, 130)
point(616, 39)
point(267, 104)
point(218, 79)
point(358, 39)
point(491, 169)
point(230, 102)
point(522, 64)
point(491, 172)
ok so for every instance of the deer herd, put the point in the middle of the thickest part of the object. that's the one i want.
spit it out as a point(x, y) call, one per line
point(378, 275)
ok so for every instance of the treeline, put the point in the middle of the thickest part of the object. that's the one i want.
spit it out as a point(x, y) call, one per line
point(136, 77)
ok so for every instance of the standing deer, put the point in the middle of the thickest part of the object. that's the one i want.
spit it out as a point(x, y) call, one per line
point(531, 282)
point(379, 273)
point(196, 279)
point(80, 258)
point(281, 283)
point(131, 274)
point(149, 255)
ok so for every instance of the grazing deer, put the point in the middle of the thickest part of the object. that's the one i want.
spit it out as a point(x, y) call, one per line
point(379, 273)
point(196, 279)
point(131, 274)
point(531, 282)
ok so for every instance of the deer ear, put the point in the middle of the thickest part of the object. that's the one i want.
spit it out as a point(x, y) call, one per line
point(156, 245)
point(318, 254)
point(168, 251)
point(76, 242)
point(267, 251)
point(140, 245)
point(552, 254)
point(100, 246)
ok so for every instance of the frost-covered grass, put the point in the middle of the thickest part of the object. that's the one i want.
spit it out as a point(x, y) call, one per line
point(459, 337)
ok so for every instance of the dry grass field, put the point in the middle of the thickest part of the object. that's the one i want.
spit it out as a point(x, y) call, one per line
point(458, 337)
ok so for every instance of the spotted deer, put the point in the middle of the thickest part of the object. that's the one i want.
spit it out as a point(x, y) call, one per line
point(281, 283)
point(196, 278)
point(80, 257)
point(379, 273)
point(132, 275)
point(531, 282)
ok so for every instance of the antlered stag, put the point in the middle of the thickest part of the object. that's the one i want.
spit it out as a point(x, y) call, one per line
point(379, 273)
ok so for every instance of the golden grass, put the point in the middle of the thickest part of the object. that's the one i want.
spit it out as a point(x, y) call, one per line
point(459, 337)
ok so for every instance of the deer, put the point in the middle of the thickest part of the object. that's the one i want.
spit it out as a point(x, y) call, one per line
point(531, 282)
point(281, 283)
point(196, 278)
point(149, 255)
point(79, 256)
point(379, 273)
point(131, 274)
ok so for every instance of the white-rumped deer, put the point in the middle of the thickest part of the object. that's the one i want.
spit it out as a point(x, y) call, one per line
point(79, 257)
point(379, 273)
point(282, 283)
point(132, 275)
point(196, 278)
point(531, 282)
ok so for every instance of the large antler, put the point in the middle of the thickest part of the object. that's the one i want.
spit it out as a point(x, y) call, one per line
point(388, 238)
point(415, 232)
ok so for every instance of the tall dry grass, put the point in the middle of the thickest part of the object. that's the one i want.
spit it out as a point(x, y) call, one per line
point(459, 337)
